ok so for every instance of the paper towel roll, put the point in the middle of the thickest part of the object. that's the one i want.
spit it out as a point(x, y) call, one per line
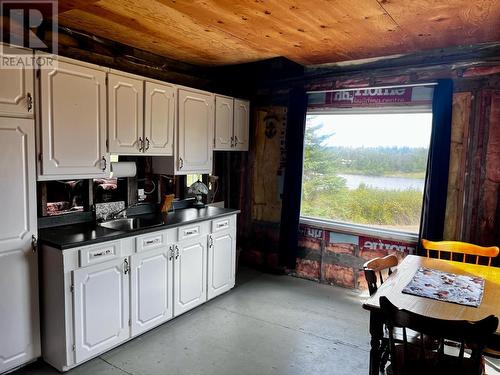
point(123, 169)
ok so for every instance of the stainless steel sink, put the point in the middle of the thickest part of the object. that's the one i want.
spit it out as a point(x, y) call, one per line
point(130, 223)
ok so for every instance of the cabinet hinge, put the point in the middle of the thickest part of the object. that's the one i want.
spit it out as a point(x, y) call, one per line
point(107, 144)
point(130, 322)
point(72, 288)
point(74, 347)
point(38, 73)
point(106, 79)
point(40, 156)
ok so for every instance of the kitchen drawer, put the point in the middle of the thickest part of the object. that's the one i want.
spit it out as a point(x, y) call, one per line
point(224, 223)
point(99, 253)
point(151, 241)
point(189, 231)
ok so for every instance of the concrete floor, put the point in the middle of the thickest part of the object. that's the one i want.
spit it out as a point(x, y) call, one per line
point(266, 325)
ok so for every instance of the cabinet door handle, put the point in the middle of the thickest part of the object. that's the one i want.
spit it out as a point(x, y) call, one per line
point(235, 141)
point(177, 252)
point(141, 144)
point(211, 242)
point(181, 163)
point(105, 163)
point(171, 250)
point(232, 141)
point(29, 101)
point(34, 243)
point(147, 145)
point(126, 268)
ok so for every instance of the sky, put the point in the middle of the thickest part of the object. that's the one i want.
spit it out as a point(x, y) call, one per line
point(374, 130)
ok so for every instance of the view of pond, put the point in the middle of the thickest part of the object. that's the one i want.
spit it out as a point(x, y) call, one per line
point(383, 182)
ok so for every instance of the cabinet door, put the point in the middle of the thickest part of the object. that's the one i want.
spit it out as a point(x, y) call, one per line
point(190, 276)
point(101, 307)
point(73, 121)
point(125, 99)
point(159, 118)
point(241, 124)
point(221, 263)
point(19, 312)
point(223, 123)
point(16, 90)
point(195, 132)
point(152, 287)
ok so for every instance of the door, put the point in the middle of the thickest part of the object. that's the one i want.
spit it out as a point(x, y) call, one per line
point(159, 119)
point(190, 276)
point(241, 124)
point(126, 108)
point(73, 122)
point(152, 287)
point(19, 311)
point(16, 90)
point(221, 263)
point(195, 132)
point(101, 307)
point(223, 123)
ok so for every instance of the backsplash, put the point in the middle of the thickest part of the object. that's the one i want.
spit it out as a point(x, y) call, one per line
point(104, 210)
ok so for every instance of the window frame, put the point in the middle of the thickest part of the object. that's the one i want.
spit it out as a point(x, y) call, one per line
point(354, 228)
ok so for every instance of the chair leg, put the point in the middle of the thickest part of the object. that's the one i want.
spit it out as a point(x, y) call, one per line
point(384, 349)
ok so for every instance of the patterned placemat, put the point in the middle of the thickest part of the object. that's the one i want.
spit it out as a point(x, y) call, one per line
point(447, 287)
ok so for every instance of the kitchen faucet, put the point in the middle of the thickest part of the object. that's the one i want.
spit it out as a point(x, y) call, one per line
point(114, 215)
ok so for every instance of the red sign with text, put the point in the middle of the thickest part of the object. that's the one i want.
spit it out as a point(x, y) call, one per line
point(376, 244)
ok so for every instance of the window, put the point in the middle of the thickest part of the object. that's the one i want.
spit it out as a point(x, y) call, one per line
point(366, 168)
point(192, 178)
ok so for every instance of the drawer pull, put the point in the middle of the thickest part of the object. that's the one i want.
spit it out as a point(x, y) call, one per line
point(222, 225)
point(150, 242)
point(190, 232)
point(100, 253)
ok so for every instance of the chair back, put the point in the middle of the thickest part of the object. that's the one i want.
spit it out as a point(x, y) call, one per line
point(463, 248)
point(411, 359)
point(377, 265)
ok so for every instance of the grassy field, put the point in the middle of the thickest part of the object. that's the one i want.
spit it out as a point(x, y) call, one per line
point(377, 207)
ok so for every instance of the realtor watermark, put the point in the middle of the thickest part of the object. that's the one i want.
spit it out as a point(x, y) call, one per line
point(19, 22)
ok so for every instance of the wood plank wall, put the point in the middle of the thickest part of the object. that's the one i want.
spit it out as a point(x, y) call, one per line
point(473, 205)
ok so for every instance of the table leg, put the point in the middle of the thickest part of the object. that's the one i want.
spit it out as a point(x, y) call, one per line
point(377, 333)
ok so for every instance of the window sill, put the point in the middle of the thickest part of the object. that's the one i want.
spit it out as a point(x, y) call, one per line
point(359, 230)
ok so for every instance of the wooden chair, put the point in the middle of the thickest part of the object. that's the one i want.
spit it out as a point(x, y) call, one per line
point(409, 359)
point(377, 265)
point(371, 269)
point(463, 248)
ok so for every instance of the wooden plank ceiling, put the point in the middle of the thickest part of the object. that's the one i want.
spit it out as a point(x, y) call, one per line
point(220, 32)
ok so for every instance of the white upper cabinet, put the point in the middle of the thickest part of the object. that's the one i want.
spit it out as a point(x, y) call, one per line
point(16, 87)
point(159, 119)
point(73, 121)
point(19, 314)
point(223, 123)
point(125, 114)
point(241, 124)
point(195, 131)
point(101, 307)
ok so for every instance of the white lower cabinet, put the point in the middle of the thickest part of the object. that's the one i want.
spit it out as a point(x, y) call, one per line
point(221, 262)
point(151, 289)
point(98, 296)
point(190, 274)
point(101, 307)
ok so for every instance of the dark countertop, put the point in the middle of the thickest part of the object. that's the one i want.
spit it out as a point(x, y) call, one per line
point(74, 235)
